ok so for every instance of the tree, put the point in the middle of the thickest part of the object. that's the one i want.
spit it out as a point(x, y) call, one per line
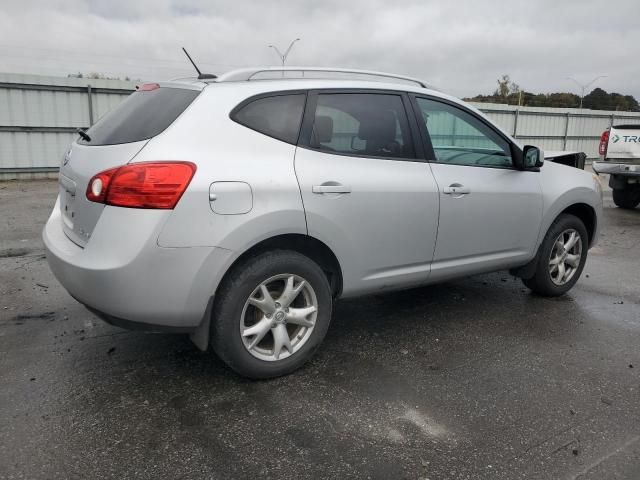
point(506, 87)
point(598, 99)
point(510, 93)
point(95, 75)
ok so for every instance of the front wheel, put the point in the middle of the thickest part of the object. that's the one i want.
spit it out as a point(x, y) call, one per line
point(626, 198)
point(561, 257)
point(271, 313)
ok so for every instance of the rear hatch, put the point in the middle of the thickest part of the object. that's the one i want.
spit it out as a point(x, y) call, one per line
point(113, 141)
point(624, 144)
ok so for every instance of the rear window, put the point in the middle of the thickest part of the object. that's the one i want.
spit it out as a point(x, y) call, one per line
point(278, 116)
point(144, 114)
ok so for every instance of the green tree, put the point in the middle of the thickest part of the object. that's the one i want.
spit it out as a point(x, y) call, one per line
point(96, 75)
point(598, 99)
point(510, 93)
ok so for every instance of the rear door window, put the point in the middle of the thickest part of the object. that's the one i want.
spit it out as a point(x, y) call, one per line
point(277, 116)
point(143, 115)
point(362, 124)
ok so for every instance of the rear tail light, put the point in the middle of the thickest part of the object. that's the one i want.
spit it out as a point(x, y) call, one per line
point(604, 141)
point(156, 185)
point(97, 189)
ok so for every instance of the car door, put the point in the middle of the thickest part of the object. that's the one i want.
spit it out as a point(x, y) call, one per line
point(365, 191)
point(490, 212)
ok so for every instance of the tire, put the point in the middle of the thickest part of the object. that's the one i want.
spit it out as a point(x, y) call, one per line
point(241, 304)
point(626, 198)
point(545, 279)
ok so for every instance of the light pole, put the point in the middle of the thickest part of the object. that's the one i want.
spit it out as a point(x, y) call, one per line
point(584, 86)
point(283, 56)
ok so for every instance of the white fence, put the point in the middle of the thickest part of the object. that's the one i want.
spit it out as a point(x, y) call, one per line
point(39, 116)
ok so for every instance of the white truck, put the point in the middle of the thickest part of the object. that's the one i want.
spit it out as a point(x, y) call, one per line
point(620, 158)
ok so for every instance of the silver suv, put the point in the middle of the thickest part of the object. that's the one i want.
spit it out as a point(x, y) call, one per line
point(238, 209)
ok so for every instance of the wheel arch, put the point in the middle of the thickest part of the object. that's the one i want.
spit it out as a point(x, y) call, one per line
point(587, 214)
point(309, 246)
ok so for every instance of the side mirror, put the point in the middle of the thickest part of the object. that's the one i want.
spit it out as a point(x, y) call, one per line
point(531, 158)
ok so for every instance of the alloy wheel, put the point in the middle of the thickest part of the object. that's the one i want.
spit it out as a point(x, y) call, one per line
point(278, 317)
point(565, 257)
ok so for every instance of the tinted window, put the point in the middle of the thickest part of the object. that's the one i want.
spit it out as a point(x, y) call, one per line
point(144, 114)
point(460, 138)
point(368, 124)
point(278, 116)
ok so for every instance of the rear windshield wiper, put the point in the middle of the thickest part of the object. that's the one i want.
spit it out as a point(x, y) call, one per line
point(83, 134)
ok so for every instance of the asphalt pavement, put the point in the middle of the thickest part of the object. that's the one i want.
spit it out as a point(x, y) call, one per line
point(471, 379)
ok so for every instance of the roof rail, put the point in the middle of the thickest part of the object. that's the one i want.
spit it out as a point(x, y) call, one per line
point(246, 74)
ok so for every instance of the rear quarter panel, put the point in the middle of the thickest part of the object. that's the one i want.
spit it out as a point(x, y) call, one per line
point(225, 151)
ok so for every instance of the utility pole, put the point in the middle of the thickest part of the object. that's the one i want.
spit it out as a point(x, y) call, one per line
point(283, 56)
point(584, 86)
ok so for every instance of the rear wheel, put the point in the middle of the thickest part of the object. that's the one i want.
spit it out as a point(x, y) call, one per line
point(271, 313)
point(561, 257)
point(626, 198)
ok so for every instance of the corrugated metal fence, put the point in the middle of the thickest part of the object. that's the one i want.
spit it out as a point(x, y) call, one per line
point(39, 116)
point(557, 128)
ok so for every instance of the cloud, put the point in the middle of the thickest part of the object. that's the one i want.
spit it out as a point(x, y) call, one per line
point(461, 46)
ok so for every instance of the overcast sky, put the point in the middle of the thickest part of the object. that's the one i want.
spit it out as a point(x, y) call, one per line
point(461, 46)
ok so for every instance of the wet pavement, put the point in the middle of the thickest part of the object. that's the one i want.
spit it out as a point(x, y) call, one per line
point(471, 379)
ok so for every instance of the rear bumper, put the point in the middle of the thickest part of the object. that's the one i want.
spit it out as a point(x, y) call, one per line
point(617, 169)
point(137, 326)
point(125, 277)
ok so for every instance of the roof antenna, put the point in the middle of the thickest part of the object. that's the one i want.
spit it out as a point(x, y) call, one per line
point(201, 76)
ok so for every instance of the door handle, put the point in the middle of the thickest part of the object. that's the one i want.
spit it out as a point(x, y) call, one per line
point(331, 189)
point(456, 189)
